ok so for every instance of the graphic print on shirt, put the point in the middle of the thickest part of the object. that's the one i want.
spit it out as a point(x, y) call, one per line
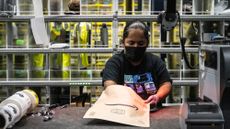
point(140, 83)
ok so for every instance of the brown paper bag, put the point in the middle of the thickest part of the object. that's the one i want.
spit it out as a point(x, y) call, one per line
point(122, 105)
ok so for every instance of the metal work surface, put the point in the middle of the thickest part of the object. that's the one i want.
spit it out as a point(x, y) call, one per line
point(72, 118)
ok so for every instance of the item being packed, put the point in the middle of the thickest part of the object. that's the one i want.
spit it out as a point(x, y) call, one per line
point(122, 105)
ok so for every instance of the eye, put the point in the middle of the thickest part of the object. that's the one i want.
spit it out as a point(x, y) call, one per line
point(141, 43)
point(131, 43)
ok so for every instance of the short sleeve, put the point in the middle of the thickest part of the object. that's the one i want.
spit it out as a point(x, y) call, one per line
point(162, 72)
point(112, 70)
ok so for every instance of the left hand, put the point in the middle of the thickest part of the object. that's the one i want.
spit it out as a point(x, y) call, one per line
point(153, 99)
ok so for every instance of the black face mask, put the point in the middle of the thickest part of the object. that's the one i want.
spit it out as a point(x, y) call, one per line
point(134, 54)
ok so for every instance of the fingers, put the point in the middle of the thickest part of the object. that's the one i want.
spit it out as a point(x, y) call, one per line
point(153, 99)
point(149, 99)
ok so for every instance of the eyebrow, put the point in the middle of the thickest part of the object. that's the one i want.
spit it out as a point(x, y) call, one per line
point(142, 40)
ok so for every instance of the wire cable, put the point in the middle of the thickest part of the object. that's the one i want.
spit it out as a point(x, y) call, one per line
point(182, 43)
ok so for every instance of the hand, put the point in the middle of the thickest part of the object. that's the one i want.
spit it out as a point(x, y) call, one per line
point(153, 99)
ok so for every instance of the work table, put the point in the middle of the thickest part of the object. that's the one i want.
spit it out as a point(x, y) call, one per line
point(72, 118)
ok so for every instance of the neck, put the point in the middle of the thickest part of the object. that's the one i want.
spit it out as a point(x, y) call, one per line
point(136, 63)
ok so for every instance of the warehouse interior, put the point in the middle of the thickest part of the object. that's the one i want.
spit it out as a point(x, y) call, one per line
point(83, 34)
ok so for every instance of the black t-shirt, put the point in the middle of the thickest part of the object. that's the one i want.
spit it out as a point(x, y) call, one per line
point(144, 78)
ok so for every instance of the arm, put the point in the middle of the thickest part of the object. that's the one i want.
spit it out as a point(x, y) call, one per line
point(109, 83)
point(164, 81)
point(162, 92)
point(111, 73)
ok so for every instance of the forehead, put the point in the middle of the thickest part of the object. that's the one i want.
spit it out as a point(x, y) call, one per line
point(134, 33)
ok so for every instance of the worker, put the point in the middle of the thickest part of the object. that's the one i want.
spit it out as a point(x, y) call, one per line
point(144, 72)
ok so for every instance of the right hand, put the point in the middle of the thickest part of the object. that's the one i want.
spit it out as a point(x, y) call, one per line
point(152, 99)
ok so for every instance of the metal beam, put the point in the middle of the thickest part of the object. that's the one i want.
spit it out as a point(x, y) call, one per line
point(62, 50)
point(88, 50)
point(120, 18)
point(185, 83)
point(52, 83)
point(81, 83)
